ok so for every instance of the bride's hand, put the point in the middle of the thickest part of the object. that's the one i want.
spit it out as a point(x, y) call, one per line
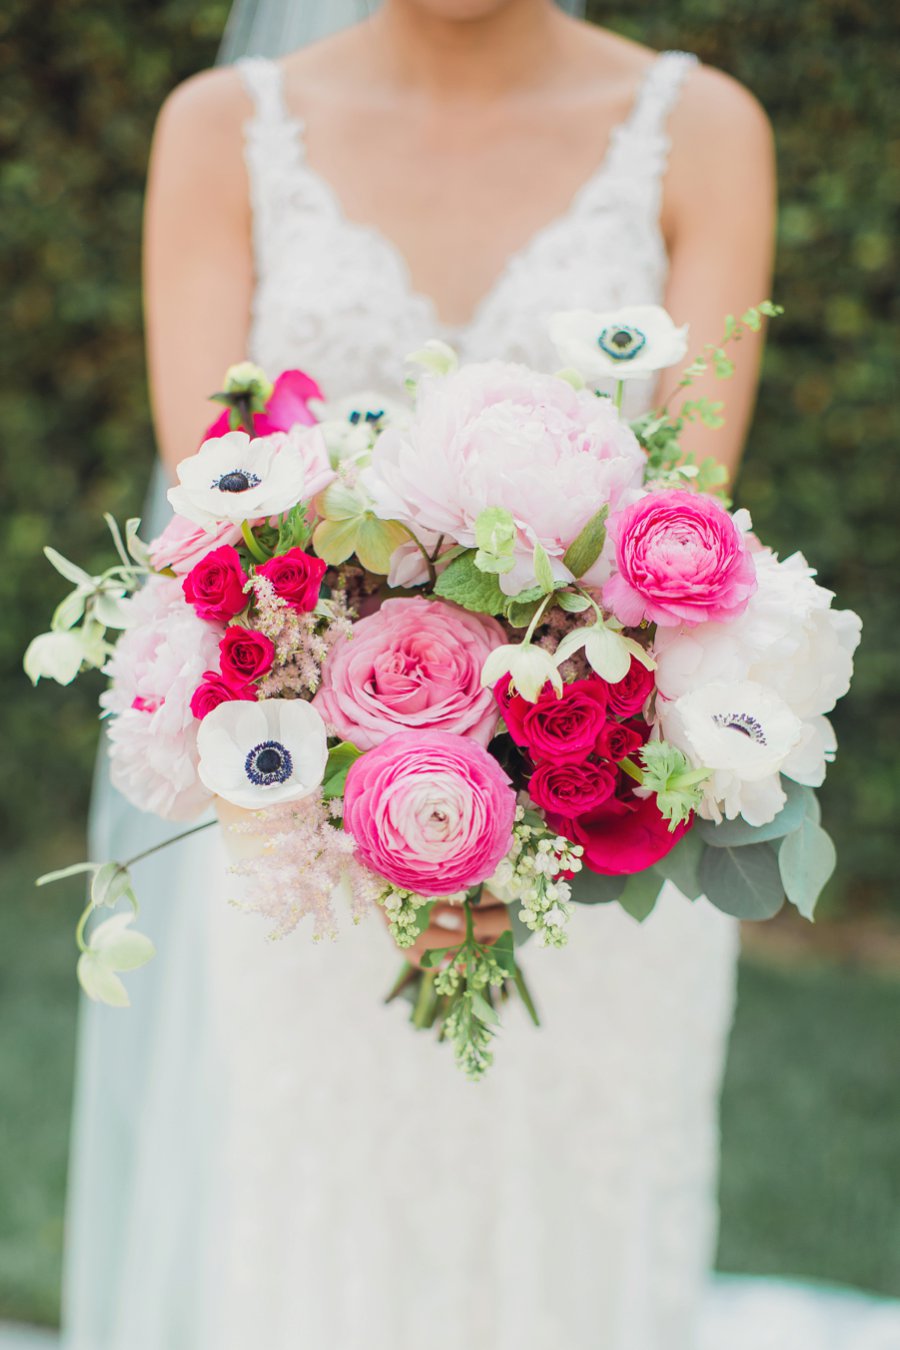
point(447, 926)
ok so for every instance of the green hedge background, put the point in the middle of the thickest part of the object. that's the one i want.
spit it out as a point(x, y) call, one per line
point(80, 84)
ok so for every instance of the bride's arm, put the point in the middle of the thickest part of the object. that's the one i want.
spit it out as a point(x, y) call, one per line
point(719, 220)
point(197, 256)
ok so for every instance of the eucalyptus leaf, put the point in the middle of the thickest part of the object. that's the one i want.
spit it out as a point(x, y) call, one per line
point(587, 545)
point(737, 832)
point(594, 888)
point(681, 866)
point(641, 894)
point(806, 861)
point(742, 881)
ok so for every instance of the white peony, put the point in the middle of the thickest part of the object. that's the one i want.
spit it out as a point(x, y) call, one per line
point(620, 344)
point(788, 639)
point(744, 734)
point(158, 663)
point(261, 754)
point(236, 478)
point(497, 434)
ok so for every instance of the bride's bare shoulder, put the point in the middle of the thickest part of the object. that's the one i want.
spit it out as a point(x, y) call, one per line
point(208, 108)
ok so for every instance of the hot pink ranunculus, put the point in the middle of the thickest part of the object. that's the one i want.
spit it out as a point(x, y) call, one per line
point(415, 663)
point(215, 585)
point(680, 559)
point(288, 405)
point(429, 811)
point(182, 544)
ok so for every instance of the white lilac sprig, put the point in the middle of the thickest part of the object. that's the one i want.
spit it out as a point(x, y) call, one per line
point(532, 873)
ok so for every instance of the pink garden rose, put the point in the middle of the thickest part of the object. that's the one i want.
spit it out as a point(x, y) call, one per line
point(296, 578)
point(244, 655)
point(288, 405)
point(183, 543)
point(680, 559)
point(500, 435)
point(429, 811)
point(413, 664)
point(215, 585)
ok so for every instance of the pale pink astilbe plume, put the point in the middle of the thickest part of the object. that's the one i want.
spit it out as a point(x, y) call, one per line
point(302, 861)
point(302, 640)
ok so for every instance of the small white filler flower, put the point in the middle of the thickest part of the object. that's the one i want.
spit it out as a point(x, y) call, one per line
point(256, 755)
point(234, 478)
point(619, 344)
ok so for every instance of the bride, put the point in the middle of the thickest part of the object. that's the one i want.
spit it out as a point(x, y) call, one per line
point(264, 1155)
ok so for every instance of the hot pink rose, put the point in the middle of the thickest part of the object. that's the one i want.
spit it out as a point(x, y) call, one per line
point(244, 655)
point(681, 559)
point(296, 577)
point(288, 405)
point(617, 740)
point(215, 585)
point(431, 812)
point(626, 834)
point(414, 663)
point(628, 695)
point(562, 728)
point(571, 789)
point(182, 544)
point(214, 691)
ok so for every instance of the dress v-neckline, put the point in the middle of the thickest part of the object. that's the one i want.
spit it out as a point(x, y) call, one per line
point(331, 200)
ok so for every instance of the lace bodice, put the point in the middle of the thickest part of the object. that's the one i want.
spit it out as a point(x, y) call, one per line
point(337, 297)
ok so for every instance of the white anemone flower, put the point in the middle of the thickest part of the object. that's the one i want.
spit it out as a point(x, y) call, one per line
point(529, 668)
point(743, 733)
point(621, 344)
point(236, 478)
point(351, 425)
point(256, 755)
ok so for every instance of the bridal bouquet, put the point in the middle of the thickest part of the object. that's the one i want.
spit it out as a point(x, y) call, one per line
point(494, 641)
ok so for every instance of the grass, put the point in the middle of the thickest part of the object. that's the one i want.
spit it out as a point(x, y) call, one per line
point(811, 1145)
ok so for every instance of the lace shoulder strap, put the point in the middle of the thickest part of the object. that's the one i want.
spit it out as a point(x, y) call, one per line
point(262, 80)
point(274, 155)
point(640, 146)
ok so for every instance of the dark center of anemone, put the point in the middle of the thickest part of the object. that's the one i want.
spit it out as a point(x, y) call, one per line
point(744, 723)
point(622, 343)
point(236, 480)
point(269, 763)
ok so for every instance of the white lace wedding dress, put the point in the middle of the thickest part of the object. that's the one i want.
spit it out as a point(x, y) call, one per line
point(295, 1168)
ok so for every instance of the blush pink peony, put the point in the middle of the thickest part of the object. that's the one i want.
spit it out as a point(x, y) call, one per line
point(414, 664)
point(159, 661)
point(680, 559)
point(498, 435)
point(183, 544)
point(431, 812)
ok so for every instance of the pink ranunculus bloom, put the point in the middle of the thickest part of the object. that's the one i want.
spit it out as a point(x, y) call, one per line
point(244, 655)
point(623, 835)
point(215, 585)
point(288, 405)
point(415, 664)
point(182, 544)
point(158, 662)
point(296, 577)
point(214, 690)
point(429, 811)
point(497, 434)
point(680, 559)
